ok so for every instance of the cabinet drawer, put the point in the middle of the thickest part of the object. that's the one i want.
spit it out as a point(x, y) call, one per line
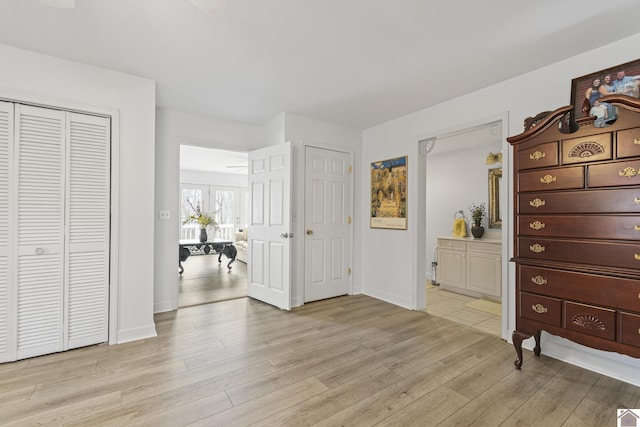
point(586, 149)
point(609, 254)
point(452, 244)
point(591, 320)
point(614, 174)
point(589, 288)
point(580, 226)
point(541, 309)
point(543, 155)
point(587, 201)
point(551, 179)
point(488, 248)
point(628, 143)
point(629, 324)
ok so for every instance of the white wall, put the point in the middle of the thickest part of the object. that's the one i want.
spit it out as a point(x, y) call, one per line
point(390, 274)
point(304, 131)
point(26, 75)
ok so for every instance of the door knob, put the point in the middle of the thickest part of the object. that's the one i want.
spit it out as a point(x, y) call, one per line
point(309, 232)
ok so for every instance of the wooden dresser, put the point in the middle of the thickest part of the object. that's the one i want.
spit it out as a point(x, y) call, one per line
point(577, 231)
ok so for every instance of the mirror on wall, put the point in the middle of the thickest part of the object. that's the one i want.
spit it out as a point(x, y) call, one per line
point(495, 176)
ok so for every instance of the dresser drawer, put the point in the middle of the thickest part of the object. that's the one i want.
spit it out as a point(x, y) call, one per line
point(608, 254)
point(628, 143)
point(580, 226)
point(541, 309)
point(551, 179)
point(587, 201)
point(484, 247)
point(629, 324)
point(589, 288)
point(614, 174)
point(452, 244)
point(591, 320)
point(543, 155)
point(586, 149)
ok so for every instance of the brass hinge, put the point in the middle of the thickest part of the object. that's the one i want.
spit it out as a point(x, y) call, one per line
point(349, 270)
point(349, 219)
point(350, 169)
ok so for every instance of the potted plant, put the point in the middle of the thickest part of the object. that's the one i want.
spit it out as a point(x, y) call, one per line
point(478, 212)
point(202, 218)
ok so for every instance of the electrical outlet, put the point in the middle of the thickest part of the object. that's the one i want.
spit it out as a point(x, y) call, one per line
point(165, 214)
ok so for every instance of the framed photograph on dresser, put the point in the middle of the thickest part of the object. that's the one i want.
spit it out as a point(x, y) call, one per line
point(623, 79)
point(389, 194)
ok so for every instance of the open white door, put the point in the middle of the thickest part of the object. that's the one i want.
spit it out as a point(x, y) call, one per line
point(269, 237)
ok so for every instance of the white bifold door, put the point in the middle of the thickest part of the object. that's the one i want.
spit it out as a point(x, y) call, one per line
point(54, 230)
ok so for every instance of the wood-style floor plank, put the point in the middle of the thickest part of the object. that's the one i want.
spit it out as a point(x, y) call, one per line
point(352, 360)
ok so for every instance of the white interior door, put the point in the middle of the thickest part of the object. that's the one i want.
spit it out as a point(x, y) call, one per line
point(40, 153)
point(6, 307)
point(88, 230)
point(327, 222)
point(269, 237)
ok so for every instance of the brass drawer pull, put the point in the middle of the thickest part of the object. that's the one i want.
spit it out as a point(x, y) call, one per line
point(537, 155)
point(536, 203)
point(548, 179)
point(628, 172)
point(637, 257)
point(537, 225)
point(636, 199)
point(636, 141)
point(537, 248)
point(636, 227)
point(539, 308)
point(539, 280)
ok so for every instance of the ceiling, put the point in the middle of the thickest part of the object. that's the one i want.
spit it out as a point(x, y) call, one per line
point(353, 62)
point(212, 160)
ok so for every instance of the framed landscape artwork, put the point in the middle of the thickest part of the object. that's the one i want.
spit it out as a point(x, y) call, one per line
point(623, 79)
point(389, 194)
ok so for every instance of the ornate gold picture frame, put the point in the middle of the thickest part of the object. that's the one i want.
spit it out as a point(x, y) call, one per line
point(495, 176)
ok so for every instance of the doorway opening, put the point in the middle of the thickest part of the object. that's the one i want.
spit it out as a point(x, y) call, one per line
point(213, 182)
point(466, 281)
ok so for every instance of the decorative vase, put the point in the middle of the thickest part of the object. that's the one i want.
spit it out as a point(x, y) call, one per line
point(203, 235)
point(477, 230)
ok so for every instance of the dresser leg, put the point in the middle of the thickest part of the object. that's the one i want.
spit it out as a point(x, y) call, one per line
point(536, 349)
point(517, 337)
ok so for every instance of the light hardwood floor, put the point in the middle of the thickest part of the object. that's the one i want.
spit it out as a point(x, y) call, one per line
point(205, 280)
point(351, 360)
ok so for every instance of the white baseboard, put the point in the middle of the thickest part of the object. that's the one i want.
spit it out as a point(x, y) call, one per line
point(128, 335)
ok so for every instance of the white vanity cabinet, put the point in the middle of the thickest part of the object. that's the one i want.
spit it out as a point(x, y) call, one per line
point(471, 267)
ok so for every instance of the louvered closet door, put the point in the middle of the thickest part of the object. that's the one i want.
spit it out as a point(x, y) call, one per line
point(40, 159)
point(88, 224)
point(6, 306)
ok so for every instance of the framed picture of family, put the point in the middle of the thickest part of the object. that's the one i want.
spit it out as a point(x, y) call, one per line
point(623, 79)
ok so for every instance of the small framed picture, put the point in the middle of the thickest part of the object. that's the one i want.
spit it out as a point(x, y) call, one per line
point(389, 194)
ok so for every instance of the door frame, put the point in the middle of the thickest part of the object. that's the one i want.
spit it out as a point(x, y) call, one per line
point(299, 200)
point(508, 270)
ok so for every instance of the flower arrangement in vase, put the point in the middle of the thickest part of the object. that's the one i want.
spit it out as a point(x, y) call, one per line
point(202, 218)
point(478, 212)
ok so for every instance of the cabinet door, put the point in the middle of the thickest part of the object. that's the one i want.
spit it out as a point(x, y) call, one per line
point(40, 159)
point(6, 154)
point(87, 220)
point(451, 267)
point(483, 273)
